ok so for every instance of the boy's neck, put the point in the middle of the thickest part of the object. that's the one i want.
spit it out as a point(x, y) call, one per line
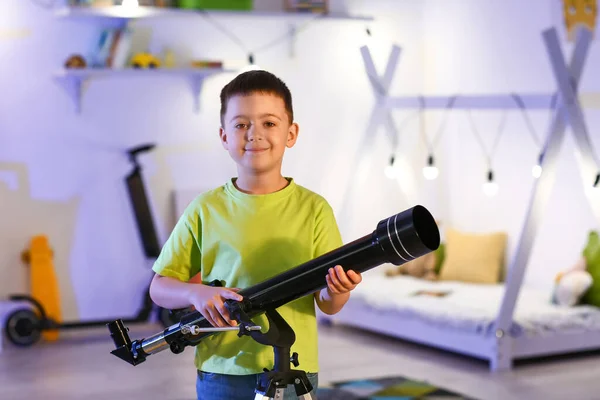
point(262, 183)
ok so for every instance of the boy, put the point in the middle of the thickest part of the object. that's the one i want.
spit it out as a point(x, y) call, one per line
point(253, 227)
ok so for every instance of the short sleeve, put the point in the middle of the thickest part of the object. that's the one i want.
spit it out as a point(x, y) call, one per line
point(327, 234)
point(181, 256)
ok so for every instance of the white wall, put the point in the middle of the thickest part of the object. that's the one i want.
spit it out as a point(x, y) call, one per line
point(75, 163)
point(496, 47)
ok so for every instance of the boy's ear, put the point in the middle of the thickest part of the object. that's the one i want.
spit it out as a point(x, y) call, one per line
point(223, 137)
point(293, 131)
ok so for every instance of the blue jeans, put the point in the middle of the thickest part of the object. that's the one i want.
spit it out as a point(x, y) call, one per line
point(211, 386)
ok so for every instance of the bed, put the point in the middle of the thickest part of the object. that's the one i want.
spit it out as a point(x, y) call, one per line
point(462, 317)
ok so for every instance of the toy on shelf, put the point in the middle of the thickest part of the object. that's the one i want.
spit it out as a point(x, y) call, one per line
point(75, 61)
point(145, 61)
point(206, 64)
point(315, 6)
point(237, 5)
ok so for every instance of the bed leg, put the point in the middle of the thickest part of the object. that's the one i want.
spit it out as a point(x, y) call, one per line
point(501, 363)
point(501, 357)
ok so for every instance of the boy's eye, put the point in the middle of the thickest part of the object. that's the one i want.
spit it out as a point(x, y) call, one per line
point(269, 124)
point(240, 126)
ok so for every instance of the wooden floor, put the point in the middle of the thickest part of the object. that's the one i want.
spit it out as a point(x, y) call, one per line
point(81, 367)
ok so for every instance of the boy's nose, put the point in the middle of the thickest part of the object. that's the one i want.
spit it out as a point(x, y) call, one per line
point(254, 134)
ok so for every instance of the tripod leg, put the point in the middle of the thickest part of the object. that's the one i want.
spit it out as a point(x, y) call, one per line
point(278, 395)
point(303, 387)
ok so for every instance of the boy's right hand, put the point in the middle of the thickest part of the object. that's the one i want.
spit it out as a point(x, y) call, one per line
point(210, 302)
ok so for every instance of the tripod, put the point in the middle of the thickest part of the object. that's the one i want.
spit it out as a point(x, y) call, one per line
point(272, 384)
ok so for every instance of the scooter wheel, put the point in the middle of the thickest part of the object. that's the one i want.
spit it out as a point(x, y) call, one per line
point(22, 327)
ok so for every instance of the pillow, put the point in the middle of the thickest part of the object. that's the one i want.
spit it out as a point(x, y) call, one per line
point(592, 258)
point(473, 258)
point(571, 285)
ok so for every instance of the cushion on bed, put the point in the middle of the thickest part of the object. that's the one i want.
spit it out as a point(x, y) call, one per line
point(473, 258)
point(592, 257)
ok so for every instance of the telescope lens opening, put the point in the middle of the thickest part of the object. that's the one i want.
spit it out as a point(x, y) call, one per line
point(426, 228)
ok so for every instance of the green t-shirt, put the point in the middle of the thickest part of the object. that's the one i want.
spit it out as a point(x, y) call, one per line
point(244, 239)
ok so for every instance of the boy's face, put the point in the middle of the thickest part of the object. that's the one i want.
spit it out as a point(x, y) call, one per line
point(256, 131)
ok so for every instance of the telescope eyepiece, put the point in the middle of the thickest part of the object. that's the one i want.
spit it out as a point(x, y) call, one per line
point(118, 333)
point(408, 235)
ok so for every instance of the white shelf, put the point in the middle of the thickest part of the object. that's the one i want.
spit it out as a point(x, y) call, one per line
point(120, 12)
point(73, 80)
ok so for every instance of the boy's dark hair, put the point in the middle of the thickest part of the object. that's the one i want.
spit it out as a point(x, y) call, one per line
point(256, 82)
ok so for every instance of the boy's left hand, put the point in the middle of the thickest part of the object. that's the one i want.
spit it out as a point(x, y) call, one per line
point(339, 281)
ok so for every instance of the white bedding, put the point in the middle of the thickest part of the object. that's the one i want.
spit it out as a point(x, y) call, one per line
point(471, 307)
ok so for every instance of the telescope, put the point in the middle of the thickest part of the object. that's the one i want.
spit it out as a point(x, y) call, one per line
point(398, 239)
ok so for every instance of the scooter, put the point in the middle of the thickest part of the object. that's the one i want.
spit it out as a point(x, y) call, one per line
point(24, 326)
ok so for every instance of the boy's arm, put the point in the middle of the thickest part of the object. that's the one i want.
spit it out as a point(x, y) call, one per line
point(209, 301)
point(331, 299)
point(170, 292)
point(180, 259)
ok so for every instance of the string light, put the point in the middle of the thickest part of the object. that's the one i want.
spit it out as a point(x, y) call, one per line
point(430, 172)
point(130, 3)
point(390, 170)
point(490, 188)
point(536, 171)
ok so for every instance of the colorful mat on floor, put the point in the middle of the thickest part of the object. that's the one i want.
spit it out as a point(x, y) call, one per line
point(396, 388)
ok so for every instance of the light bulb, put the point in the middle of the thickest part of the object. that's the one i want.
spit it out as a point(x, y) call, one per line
point(536, 171)
point(490, 188)
point(130, 3)
point(430, 172)
point(390, 172)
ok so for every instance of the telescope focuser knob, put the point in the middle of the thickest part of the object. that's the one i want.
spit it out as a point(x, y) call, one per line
point(294, 360)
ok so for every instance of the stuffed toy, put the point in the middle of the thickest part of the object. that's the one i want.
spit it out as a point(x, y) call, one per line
point(572, 284)
point(422, 267)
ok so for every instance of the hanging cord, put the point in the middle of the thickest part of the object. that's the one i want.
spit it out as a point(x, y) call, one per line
point(266, 46)
point(532, 131)
point(496, 140)
point(395, 137)
point(552, 114)
point(402, 126)
point(449, 106)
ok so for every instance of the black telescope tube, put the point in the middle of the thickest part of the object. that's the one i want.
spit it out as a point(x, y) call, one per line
point(396, 240)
